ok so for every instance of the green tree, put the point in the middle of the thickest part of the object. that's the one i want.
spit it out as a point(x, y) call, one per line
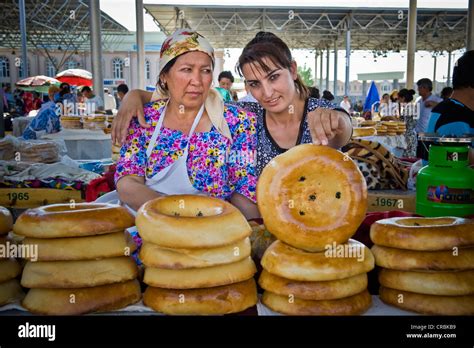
point(306, 75)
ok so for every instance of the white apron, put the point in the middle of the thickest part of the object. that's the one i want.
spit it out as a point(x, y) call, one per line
point(173, 179)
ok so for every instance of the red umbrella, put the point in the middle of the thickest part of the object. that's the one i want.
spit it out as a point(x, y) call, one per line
point(75, 77)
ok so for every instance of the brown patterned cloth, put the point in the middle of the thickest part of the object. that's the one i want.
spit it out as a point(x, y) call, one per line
point(380, 168)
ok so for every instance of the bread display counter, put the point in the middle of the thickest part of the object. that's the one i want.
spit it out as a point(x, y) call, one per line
point(198, 255)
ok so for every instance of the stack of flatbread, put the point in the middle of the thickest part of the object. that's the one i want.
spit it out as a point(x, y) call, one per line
point(38, 151)
point(83, 261)
point(10, 269)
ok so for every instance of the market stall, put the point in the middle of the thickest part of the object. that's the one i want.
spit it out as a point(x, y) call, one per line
point(306, 259)
point(38, 172)
point(84, 144)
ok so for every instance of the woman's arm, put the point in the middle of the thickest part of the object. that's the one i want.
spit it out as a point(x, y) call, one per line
point(133, 191)
point(131, 106)
point(131, 168)
point(245, 205)
point(241, 162)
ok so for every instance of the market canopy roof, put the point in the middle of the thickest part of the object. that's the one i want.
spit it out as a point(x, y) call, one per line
point(54, 24)
point(387, 75)
point(317, 28)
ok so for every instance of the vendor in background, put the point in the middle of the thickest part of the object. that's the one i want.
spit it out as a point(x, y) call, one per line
point(286, 115)
point(27, 103)
point(37, 101)
point(359, 106)
point(346, 104)
point(394, 96)
point(407, 113)
point(455, 116)
point(109, 102)
point(80, 98)
point(446, 93)
point(193, 143)
point(6, 107)
point(8, 100)
point(93, 102)
point(427, 102)
point(18, 103)
point(122, 89)
point(65, 94)
point(225, 79)
point(47, 119)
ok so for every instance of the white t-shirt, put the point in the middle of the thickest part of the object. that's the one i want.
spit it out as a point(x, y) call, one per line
point(109, 102)
point(425, 113)
point(95, 103)
point(346, 105)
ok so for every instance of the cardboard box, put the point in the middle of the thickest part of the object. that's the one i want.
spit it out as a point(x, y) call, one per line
point(387, 200)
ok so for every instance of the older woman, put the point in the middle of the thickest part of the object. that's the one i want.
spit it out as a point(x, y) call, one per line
point(193, 143)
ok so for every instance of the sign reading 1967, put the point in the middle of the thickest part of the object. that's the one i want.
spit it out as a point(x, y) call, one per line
point(388, 202)
point(20, 196)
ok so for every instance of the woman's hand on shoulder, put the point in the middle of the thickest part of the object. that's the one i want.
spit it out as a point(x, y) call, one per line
point(131, 106)
point(325, 125)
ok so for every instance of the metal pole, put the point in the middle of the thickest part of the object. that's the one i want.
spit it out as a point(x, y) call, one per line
point(411, 45)
point(96, 48)
point(2, 120)
point(24, 52)
point(348, 54)
point(315, 68)
point(448, 82)
point(335, 69)
point(434, 73)
point(320, 86)
point(470, 26)
point(140, 44)
point(327, 69)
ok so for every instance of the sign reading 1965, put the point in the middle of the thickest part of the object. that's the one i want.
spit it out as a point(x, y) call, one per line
point(36, 197)
point(20, 196)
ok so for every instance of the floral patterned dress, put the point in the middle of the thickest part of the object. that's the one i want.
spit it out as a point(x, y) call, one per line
point(216, 165)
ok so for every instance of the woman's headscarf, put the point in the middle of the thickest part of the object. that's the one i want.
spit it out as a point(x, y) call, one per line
point(184, 41)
